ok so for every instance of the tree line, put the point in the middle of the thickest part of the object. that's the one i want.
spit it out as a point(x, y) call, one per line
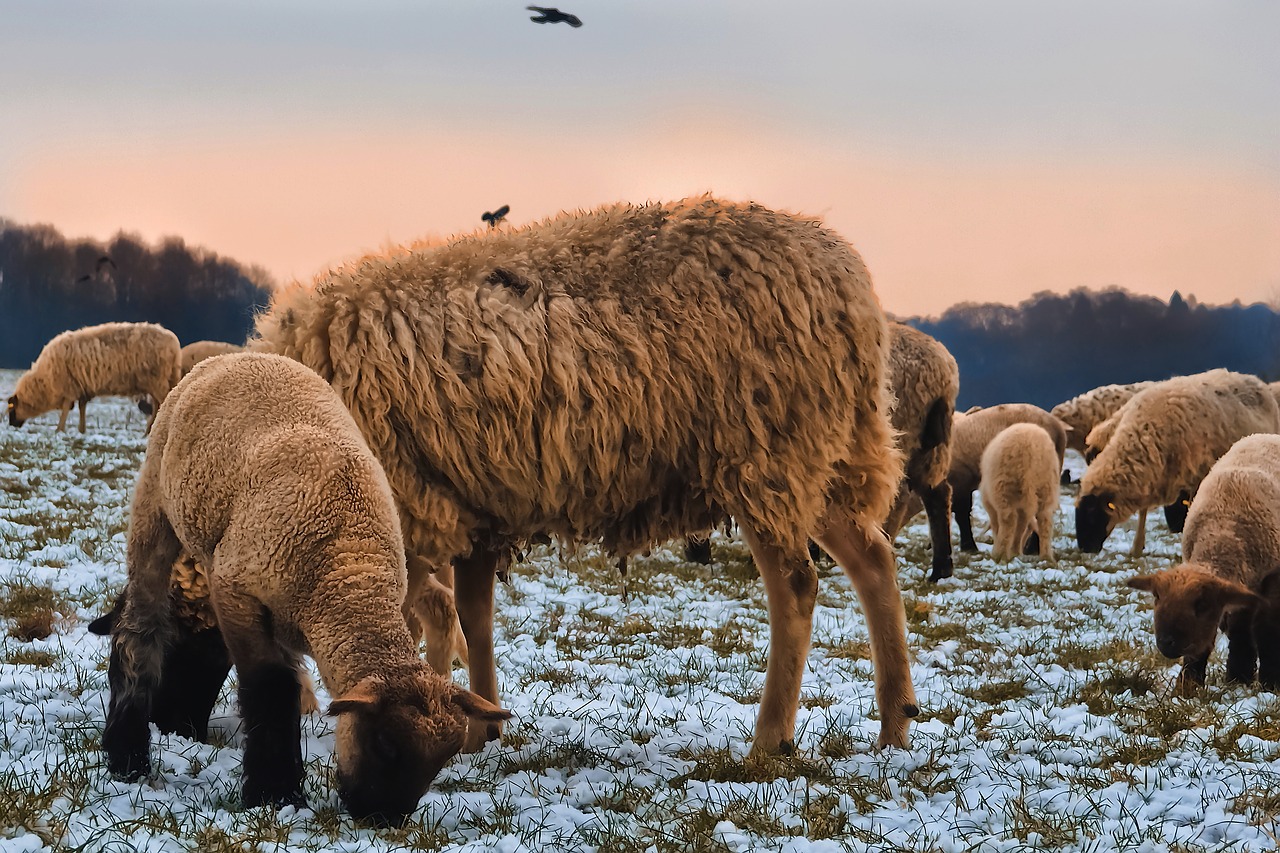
point(1053, 346)
point(49, 283)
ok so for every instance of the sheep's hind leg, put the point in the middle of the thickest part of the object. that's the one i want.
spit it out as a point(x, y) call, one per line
point(1242, 654)
point(937, 506)
point(962, 507)
point(84, 401)
point(1266, 639)
point(473, 578)
point(867, 559)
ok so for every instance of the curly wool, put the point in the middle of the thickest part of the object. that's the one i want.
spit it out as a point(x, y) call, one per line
point(1168, 436)
point(629, 374)
point(922, 372)
point(1084, 412)
point(974, 430)
point(1020, 485)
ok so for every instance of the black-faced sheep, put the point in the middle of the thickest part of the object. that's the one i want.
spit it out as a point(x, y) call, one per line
point(925, 381)
point(1165, 441)
point(1231, 549)
point(1020, 484)
point(1175, 514)
point(126, 359)
point(1085, 411)
point(631, 375)
point(971, 432)
point(280, 497)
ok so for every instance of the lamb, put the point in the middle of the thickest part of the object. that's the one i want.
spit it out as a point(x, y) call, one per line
point(1020, 489)
point(1165, 441)
point(1231, 548)
point(972, 431)
point(1085, 411)
point(198, 351)
point(282, 501)
point(925, 381)
point(629, 374)
point(126, 359)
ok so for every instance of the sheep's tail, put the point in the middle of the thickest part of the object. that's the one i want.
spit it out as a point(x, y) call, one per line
point(937, 425)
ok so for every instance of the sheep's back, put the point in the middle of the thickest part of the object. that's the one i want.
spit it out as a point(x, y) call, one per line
point(1234, 523)
point(112, 358)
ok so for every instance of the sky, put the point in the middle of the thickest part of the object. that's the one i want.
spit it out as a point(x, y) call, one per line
point(971, 151)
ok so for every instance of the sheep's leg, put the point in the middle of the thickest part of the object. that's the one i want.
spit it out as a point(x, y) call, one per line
point(1266, 639)
point(937, 506)
point(1044, 531)
point(62, 416)
point(962, 506)
point(270, 700)
point(697, 549)
point(194, 671)
point(1242, 654)
point(474, 577)
point(867, 559)
point(898, 512)
point(84, 401)
point(1140, 538)
point(1191, 678)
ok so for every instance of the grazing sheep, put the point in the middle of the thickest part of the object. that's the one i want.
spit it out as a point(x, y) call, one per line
point(971, 432)
point(1165, 441)
point(282, 501)
point(1231, 549)
point(1020, 489)
point(125, 359)
point(1175, 514)
point(1085, 411)
point(198, 351)
point(925, 382)
point(631, 375)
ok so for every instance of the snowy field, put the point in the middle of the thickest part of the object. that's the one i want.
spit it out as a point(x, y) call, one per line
point(1048, 720)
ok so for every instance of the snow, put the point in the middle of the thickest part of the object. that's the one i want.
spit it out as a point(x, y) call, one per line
point(1048, 720)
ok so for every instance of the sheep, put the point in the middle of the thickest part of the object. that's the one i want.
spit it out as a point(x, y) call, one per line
point(1020, 489)
point(1165, 441)
point(629, 374)
point(125, 359)
point(1231, 548)
point(282, 502)
point(925, 382)
point(1085, 411)
point(1175, 514)
point(971, 432)
point(198, 351)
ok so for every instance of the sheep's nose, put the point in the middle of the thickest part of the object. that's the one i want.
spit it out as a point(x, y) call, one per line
point(1168, 646)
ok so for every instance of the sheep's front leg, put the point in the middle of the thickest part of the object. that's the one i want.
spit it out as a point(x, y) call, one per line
point(1191, 679)
point(937, 506)
point(1266, 639)
point(1140, 538)
point(1242, 654)
point(962, 506)
point(62, 416)
point(473, 578)
point(84, 401)
point(867, 559)
point(269, 697)
point(195, 668)
point(1044, 532)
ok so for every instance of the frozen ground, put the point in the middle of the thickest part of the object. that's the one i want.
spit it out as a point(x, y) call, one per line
point(1047, 721)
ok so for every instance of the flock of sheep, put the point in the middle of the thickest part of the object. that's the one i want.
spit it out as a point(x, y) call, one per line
point(356, 482)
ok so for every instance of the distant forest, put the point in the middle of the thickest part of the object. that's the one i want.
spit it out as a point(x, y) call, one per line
point(49, 284)
point(1053, 346)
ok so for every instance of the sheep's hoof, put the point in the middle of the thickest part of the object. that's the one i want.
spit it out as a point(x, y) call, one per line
point(257, 794)
point(941, 571)
point(911, 710)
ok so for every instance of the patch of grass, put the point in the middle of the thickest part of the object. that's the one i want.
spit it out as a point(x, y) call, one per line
point(1136, 754)
point(995, 692)
point(30, 657)
point(720, 765)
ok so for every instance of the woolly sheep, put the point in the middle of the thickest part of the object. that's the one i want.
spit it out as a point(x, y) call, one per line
point(1165, 441)
point(1020, 489)
point(282, 501)
point(1231, 549)
point(125, 359)
point(629, 374)
point(971, 432)
point(925, 382)
point(1085, 411)
point(198, 351)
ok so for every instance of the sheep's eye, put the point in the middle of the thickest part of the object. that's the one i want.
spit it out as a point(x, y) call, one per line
point(1111, 506)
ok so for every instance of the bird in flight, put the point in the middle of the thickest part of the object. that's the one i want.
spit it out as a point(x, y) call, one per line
point(103, 261)
point(547, 15)
point(496, 216)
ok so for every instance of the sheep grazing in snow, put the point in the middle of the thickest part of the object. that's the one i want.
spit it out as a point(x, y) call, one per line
point(630, 374)
point(282, 501)
point(971, 432)
point(925, 382)
point(126, 359)
point(1231, 549)
point(1165, 441)
point(1020, 489)
point(197, 351)
point(1085, 411)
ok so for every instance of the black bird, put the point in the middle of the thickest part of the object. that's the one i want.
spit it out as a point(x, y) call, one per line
point(548, 15)
point(497, 216)
point(97, 269)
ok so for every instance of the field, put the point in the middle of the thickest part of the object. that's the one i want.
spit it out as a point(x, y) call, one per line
point(1048, 721)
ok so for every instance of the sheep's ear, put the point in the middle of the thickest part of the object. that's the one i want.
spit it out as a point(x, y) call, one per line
point(477, 707)
point(1233, 595)
point(103, 625)
point(362, 697)
point(1269, 588)
point(1147, 582)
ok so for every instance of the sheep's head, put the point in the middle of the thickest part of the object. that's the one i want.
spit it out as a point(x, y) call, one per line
point(1190, 602)
point(14, 419)
point(395, 731)
point(1096, 517)
point(30, 398)
point(1175, 514)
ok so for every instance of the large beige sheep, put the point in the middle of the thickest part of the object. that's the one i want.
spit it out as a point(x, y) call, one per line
point(280, 498)
point(925, 382)
point(1165, 441)
point(971, 432)
point(1231, 548)
point(1085, 411)
point(126, 359)
point(197, 351)
point(629, 374)
point(1020, 489)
